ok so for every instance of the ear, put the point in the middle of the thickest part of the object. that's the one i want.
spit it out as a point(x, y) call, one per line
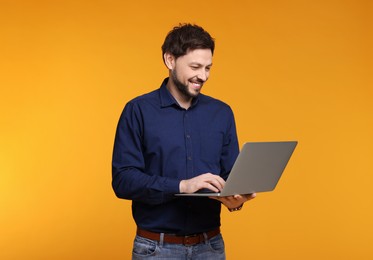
point(169, 60)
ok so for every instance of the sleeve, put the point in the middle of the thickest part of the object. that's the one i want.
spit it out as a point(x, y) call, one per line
point(230, 147)
point(129, 179)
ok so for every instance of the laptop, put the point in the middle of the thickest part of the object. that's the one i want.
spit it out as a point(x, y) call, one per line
point(257, 168)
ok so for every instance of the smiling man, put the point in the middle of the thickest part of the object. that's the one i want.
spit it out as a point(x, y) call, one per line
point(177, 140)
point(193, 69)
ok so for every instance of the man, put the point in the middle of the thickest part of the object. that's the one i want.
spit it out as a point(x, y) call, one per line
point(177, 140)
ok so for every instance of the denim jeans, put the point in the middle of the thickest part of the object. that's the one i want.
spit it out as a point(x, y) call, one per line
point(212, 249)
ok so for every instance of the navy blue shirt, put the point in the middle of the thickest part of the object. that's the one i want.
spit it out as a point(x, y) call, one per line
point(158, 144)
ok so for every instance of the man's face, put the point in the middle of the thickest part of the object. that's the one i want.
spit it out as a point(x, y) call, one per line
point(191, 71)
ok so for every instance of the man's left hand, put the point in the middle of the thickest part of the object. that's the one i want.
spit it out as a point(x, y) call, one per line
point(235, 201)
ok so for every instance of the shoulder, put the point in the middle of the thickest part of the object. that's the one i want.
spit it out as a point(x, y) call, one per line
point(152, 96)
point(214, 103)
point(144, 101)
point(140, 104)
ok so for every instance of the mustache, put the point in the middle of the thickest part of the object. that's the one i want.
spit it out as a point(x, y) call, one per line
point(197, 80)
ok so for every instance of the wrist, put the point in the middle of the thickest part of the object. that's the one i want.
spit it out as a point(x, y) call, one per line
point(181, 186)
point(235, 209)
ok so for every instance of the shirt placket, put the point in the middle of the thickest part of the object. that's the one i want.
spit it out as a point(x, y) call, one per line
point(188, 143)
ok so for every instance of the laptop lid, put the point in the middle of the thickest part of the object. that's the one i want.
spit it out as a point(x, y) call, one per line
point(257, 168)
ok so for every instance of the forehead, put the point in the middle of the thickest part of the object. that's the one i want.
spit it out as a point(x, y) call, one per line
point(200, 56)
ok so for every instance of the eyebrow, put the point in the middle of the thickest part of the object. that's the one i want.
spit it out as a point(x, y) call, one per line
point(199, 64)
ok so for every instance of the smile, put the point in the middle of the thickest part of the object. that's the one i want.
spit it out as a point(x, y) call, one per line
point(196, 84)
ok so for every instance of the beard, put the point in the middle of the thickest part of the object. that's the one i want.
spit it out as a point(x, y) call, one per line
point(183, 89)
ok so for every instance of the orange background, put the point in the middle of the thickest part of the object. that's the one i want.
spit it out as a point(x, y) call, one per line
point(290, 70)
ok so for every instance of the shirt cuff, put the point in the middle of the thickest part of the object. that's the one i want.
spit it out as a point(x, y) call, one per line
point(172, 186)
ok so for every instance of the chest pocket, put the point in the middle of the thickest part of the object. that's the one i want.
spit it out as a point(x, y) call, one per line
point(211, 145)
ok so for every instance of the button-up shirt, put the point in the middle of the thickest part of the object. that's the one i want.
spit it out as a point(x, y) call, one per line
point(157, 144)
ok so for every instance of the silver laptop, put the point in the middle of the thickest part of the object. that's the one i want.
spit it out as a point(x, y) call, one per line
point(258, 168)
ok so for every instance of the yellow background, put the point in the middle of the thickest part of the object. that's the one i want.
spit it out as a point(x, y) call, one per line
point(291, 70)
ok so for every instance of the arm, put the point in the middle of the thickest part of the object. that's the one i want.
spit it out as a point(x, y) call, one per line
point(129, 179)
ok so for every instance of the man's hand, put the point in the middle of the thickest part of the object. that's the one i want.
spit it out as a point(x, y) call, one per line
point(235, 201)
point(210, 181)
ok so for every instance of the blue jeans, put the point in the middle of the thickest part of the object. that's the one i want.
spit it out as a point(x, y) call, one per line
point(212, 249)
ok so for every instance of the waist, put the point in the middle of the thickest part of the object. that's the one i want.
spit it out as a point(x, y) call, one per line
point(174, 239)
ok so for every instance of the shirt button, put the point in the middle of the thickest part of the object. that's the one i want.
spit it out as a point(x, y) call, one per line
point(188, 136)
point(189, 158)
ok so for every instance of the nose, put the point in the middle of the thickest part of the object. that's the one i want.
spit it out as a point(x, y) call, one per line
point(203, 75)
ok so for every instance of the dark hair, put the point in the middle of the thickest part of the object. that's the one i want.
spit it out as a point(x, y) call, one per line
point(186, 37)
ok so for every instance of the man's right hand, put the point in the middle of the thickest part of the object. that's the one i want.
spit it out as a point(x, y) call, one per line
point(210, 181)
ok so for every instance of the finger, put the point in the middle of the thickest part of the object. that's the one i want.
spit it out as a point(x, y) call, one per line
point(209, 186)
point(216, 184)
point(251, 196)
point(212, 187)
point(217, 181)
point(246, 196)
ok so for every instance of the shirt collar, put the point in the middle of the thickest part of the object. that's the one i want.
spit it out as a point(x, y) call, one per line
point(167, 99)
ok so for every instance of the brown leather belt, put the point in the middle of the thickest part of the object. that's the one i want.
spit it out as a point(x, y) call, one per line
point(174, 239)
